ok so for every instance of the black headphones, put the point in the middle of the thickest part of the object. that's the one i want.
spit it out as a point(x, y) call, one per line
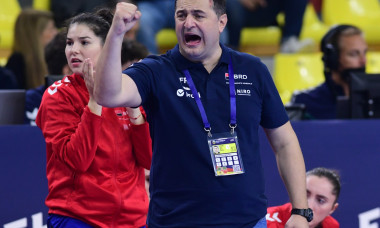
point(329, 47)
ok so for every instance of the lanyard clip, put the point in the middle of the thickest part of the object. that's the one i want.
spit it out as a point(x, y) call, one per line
point(233, 126)
point(208, 130)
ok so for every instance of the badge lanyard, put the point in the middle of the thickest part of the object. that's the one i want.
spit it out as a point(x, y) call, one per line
point(194, 91)
point(224, 147)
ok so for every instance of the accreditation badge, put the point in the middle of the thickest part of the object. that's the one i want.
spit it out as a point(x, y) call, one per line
point(225, 154)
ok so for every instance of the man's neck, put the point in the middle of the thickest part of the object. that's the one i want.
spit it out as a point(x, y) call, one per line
point(210, 63)
point(339, 81)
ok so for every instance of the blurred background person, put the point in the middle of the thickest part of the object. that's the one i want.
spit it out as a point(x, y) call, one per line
point(132, 51)
point(344, 51)
point(55, 55)
point(95, 155)
point(156, 15)
point(263, 13)
point(323, 189)
point(34, 29)
point(7, 78)
point(56, 62)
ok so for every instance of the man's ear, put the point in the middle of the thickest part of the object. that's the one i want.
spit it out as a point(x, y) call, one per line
point(222, 22)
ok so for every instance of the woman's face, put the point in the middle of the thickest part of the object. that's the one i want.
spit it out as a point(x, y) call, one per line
point(320, 198)
point(48, 33)
point(81, 43)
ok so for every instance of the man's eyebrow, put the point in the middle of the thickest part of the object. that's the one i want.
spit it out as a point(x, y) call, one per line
point(197, 11)
point(191, 11)
point(180, 11)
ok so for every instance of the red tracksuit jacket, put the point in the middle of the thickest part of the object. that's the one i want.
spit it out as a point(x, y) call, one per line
point(95, 164)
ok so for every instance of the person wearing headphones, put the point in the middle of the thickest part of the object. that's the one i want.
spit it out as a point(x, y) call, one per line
point(344, 51)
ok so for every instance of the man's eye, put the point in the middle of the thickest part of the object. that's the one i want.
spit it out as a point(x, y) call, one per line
point(353, 53)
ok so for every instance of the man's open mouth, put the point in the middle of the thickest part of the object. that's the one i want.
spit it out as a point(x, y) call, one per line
point(192, 39)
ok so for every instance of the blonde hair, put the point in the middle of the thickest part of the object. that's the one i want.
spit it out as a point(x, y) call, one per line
point(29, 27)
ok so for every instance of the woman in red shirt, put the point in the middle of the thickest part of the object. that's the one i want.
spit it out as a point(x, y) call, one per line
point(95, 155)
point(323, 189)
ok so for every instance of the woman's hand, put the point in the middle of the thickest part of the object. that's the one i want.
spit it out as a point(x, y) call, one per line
point(88, 76)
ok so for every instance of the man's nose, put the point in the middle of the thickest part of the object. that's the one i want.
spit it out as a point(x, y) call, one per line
point(363, 60)
point(189, 22)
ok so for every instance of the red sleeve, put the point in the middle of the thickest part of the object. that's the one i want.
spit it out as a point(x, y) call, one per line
point(330, 222)
point(70, 129)
point(278, 216)
point(142, 144)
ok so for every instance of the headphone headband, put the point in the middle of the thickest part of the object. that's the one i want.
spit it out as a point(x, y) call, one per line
point(334, 31)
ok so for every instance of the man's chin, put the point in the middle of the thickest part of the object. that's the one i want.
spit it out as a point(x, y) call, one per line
point(191, 52)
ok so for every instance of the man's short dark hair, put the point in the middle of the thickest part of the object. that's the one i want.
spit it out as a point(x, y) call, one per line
point(219, 7)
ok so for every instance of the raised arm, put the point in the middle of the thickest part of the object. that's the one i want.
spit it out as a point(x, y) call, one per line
point(112, 89)
point(291, 167)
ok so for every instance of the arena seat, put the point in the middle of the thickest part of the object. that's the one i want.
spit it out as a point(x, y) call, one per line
point(313, 27)
point(373, 63)
point(41, 4)
point(9, 11)
point(265, 41)
point(296, 72)
point(260, 41)
point(363, 13)
point(3, 61)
